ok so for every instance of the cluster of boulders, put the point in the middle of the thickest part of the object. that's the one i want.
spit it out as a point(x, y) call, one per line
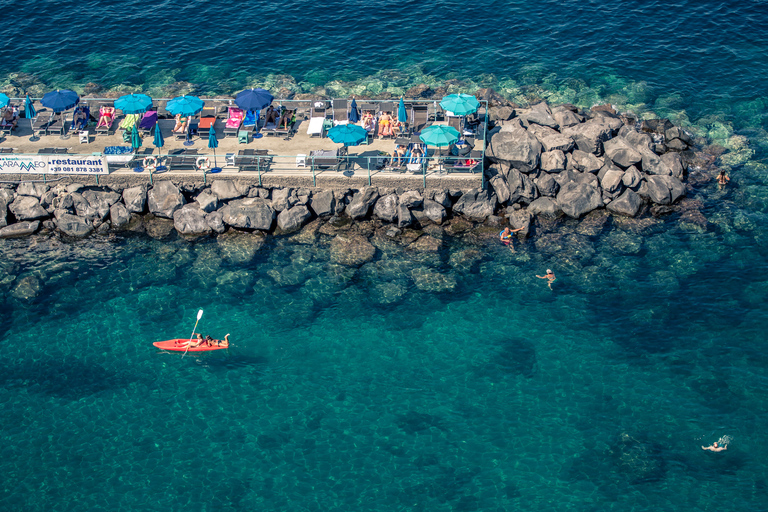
point(563, 160)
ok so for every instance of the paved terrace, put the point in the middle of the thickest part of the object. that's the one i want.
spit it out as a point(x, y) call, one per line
point(361, 167)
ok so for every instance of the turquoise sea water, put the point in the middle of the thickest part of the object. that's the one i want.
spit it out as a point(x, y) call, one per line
point(453, 380)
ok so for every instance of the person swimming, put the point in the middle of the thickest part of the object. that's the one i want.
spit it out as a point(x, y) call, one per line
point(550, 276)
point(715, 447)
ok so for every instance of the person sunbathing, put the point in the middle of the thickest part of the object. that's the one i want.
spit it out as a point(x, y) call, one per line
point(399, 154)
point(80, 119)
point(10, 118)
point(368, 124)
point(105, 116)
point(272, 115)
point(385, 125)
point(286, 119)
point(181, 124)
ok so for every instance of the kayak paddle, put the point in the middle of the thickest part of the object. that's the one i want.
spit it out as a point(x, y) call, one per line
point(199, 316)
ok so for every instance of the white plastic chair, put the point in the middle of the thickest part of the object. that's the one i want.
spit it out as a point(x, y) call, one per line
point(84, 137)
point(301, 160)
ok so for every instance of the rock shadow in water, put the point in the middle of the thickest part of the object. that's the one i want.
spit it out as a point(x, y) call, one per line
point(513, 357)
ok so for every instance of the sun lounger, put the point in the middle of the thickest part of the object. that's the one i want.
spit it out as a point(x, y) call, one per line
point(56, 126)
point(317, 119)
point(108, 129)
point(81, 124)
point(420, 117)
point(41, 122)
point(467, 163)
point(205, 126)
point(6, 150)
point(148, 123)
point(332, 158)
point(253, 160)
point(340, 112)
point(234, 121)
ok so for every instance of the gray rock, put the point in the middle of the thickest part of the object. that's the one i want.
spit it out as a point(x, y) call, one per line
point(361, 203)
point(386, 208)
point(27, 208)
point(521, 219)
point(74, 226)
point(638, 140)
point(586, 162)
point(658, 190)
point(119, 215)
point(628, 203)
point(225, 190)
point(135, 199)
point(190, 220)
point(293, 218)
point(99, 203)
point(323, 203)
point(499, 184)
point(621, 152)
point(434, 211)
point(521, 188)
point(33, 189)
point(547, 185)
point(632, 178)
point(553, 161)
point(670, 134)
point(540, 114)
point(404, 216)
point(208, 201)
point(673, 162)
point(578, 198)
point(411, 199)
point(74, 187)
point(559, 142)
point(282, 199)
point(19, 229)
point(46, 200)
point(444, 198)
point(500, 113)
point(545, 207)
point(249, 213)
point(476, 204)
point(589, 136)
point(6, 196)
point(566, 118)
point(611, 183)
point(351, 250)
point(513, 145)
point(164, 199)
point(215, 221)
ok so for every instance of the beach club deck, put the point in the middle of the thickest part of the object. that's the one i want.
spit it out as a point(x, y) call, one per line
point(260, 149)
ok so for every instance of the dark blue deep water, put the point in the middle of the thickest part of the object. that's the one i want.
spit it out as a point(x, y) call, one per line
point(423, 380)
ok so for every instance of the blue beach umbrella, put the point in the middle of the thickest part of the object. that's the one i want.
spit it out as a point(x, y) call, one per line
point(159, 143)
point(135, 138)
point(185, 105)
point(253, 99)
point(460, 104)
point(213, 143)
point(29, 109)
point(347, 134)
point(133, 103)
point(354, 115)
point(402, 115)
point(60, 100)
point(4, 100)
point(439, 135)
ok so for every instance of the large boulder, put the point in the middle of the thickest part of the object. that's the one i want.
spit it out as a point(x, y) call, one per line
point(434, 211)
point(632, 178)
point(628, 203)
point(476, 204)
point(513, 145)
point(119, 215)
point(19, 229)
point(323, 203)
point(411, 199)
point(207, 201)
point(351, 250)
point(99, 203)
point(566, 118)
point(611, 182)
point(27, 208)
point(404, 216)
point(33, 189)
point(673, 163)
point(664, 189)
point(499, 184)
point(547, 185)
point(577, 198)
point(190, 220)
point(557, 141)
point(545, 207)
point(589, 136)
point(521, 188)
point(248, 213)
point(621, 152)
point(386, 208)
point(135, 199)
point(586, 162)
point(215, 221)
point(541, 115)
point(638, 140)
point(361, 203)
point(225, 190)
point(283, 198)
point(553, 161)
point(74, 226)
point(164, 199)
point(521, 219)
point(293, 218)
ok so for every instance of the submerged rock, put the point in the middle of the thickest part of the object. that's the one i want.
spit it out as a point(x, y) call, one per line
point(239, 247)
point(27, 288)
point(433, 281)
point(19, 229)
point(72, 225)
point(351, 250)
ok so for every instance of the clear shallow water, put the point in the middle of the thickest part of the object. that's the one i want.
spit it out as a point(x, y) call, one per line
point(355, 389)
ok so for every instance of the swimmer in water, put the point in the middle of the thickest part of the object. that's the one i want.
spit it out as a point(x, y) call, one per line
point(715, 447)
point(550, 276)
point(723, 179)
point(506, 235)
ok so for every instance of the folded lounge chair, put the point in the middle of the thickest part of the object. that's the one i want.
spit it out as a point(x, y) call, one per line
point(129, 122)
point(234, 121)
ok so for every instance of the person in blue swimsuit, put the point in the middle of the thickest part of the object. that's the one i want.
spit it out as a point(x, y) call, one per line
point(506, 236)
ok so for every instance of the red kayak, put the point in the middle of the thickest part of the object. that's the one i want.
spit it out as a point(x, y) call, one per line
point(181, 346)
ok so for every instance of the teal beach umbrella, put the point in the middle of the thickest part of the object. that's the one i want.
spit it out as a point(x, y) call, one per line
point(135, 138)
point(159, 143)
point(402, 115)
point(185, 105)
point(460, 104)
point(133, 103)
point(213, 143)
point(347, 134)
point(439, 135)
point(4, 100)
point(29, 109)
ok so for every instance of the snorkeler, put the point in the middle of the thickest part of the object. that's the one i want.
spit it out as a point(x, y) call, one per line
point(715, 447)
point(550, 276)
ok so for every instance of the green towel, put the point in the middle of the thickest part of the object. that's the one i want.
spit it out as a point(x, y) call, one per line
point(129, 121)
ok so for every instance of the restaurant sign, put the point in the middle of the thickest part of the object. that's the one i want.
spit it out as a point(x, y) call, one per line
point(53, 164)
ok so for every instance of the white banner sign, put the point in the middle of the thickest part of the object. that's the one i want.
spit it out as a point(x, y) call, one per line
point(53, 164)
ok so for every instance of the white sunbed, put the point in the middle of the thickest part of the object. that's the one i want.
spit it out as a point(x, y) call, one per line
point(315, 126)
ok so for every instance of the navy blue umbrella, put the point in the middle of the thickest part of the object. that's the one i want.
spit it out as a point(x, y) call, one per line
point(253, 99)
point(354, 115)
point(60, 100)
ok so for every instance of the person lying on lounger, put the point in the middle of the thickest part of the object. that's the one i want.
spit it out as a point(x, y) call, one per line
point(181, 124)
point(286, 119)
point(368, 123)
point(272, 115)
point(10, 118)
point(399, 154)
point(105, 116)
point(385, 125)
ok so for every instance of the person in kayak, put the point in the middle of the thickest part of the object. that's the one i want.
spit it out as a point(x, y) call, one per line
point(192, 344)
point(224, 342)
